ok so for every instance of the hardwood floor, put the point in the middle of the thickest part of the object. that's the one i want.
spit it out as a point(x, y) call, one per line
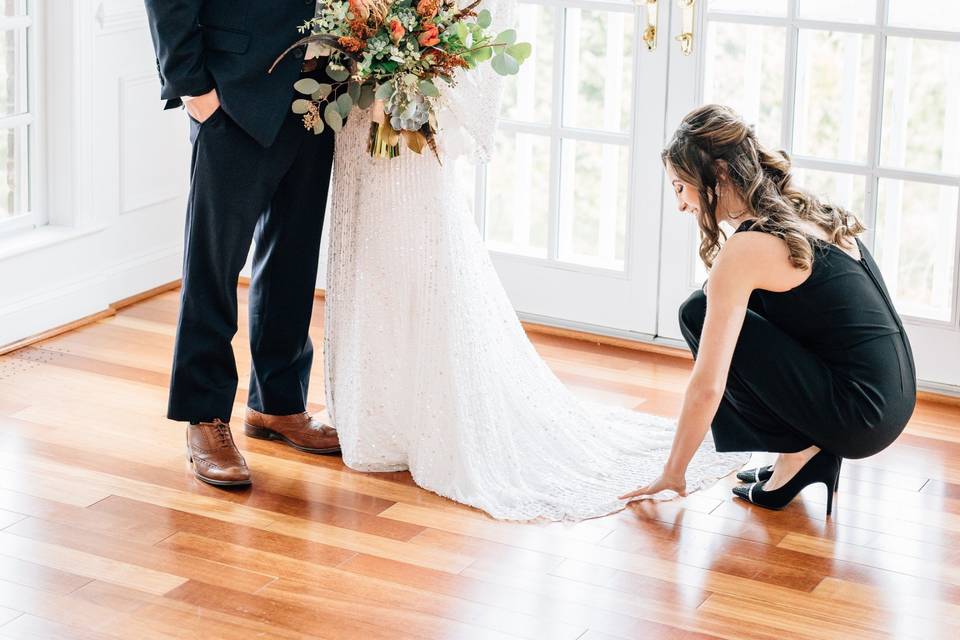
point(104, 532)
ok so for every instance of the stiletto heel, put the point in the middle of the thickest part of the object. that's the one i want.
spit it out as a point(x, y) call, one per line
point(822, 468)
point(759, 474)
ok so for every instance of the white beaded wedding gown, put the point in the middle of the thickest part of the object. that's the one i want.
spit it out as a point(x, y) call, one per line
point(427, 365)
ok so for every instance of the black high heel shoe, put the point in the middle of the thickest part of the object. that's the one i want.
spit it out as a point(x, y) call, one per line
point(823, 467)
point(759, 474)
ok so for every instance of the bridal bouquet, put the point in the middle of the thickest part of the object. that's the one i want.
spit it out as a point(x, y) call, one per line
point(393, 54)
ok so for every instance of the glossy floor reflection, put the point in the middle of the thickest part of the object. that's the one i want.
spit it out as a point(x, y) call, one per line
point(104, 533)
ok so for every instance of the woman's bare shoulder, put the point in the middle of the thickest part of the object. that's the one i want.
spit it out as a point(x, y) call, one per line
point(762, 259)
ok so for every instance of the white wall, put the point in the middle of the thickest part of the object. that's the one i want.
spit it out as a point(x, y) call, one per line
point(116, 169)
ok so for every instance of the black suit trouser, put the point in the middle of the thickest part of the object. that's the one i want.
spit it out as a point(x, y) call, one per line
point(242, 192)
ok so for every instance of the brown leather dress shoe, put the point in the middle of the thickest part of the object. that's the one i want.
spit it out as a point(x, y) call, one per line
point(300, 430)
point(214, 457)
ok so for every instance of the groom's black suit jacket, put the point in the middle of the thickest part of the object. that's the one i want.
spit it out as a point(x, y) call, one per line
point(229, 45)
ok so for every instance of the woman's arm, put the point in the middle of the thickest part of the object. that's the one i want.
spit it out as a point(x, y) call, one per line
point(747, 261)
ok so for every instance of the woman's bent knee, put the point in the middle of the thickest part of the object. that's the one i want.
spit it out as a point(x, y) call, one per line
point(693, 310)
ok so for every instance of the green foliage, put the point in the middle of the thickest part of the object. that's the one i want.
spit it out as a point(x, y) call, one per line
point(429, 89)
point(505, 64)
point(332, 115)
point(306, 86)
point(344, 104)
point(353, 90)
point(366, 96)
point(301, 106)
point(337, 72)
point(508, 36)
point(322, 92)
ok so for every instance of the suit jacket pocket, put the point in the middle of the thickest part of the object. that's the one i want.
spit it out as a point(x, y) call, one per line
point(229, 40)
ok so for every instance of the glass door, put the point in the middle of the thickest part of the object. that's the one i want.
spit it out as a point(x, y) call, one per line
point(570, 204)
point(865, 97)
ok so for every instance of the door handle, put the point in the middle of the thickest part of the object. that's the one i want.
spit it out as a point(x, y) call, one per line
point(650, 32)
point(688, 7)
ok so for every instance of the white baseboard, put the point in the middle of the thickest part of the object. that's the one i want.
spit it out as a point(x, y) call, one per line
point(77, 298)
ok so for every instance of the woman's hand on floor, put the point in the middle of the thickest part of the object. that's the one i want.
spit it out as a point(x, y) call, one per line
point(665, 482)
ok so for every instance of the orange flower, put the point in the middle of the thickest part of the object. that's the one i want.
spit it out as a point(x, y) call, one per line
point(430, 35)
point(396, 31)
point(360, 9)
point(352, 44)
point(428, 8)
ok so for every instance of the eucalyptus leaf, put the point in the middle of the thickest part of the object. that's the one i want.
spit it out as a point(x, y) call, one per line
point(462, 32)
point(333, 117)
point(344, 104)
point(322, 92)
point(353, 89)
point(306, 86)
point(318, 126)
point(484, 54)
point(520, 51)
point(506, 37)
point(384, 91)
point(338, 73)
point(366, 96)
point(429, 89)
point(300, 106)
point(484, 19)
point(505, 64)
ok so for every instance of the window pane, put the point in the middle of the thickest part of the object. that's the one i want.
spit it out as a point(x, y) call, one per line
point(744, 69)
point(13, 66)
point(864, 11)
point(13, 7)
point(916, 244)
point(921, 106)
point(593, 215)
point(13, 178)
point(527, 96)
point(518, 194)
point(757, 7)
point(842, 189)
point(598, 70)
point(833, 95)
point(943, 15)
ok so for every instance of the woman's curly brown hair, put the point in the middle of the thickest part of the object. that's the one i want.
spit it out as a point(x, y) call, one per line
point(714, 138)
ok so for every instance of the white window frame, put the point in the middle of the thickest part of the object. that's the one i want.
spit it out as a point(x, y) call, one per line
point(871, 170)
point(30, 160)
point(556, 131)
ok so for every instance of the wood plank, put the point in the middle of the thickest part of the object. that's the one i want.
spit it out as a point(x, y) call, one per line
point(86, 564)
point(105, 533)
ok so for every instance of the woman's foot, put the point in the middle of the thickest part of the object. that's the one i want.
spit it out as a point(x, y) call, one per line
point(759, 474)
point(756, 474)
point(821, 467)
point(787, 466)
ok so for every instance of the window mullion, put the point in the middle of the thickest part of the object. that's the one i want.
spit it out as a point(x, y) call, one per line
point(790, 79)
point(556, 120)
point(871, 199)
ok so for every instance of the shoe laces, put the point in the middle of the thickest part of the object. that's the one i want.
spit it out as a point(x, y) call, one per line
point(223, 432)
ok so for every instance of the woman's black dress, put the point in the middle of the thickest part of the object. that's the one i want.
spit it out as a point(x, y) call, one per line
point(827, 363)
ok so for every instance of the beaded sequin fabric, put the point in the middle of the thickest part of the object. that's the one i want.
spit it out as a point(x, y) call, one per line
point(427, 365)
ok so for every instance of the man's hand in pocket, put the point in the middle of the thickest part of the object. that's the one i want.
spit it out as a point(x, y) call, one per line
point(202, 107)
